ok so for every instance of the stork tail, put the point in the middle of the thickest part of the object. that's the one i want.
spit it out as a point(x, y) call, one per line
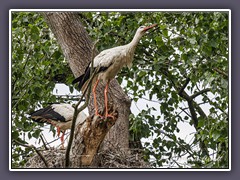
point(83, 78)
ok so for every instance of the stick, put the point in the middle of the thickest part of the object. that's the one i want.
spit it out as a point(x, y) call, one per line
point(77, 111)
point(35, 149)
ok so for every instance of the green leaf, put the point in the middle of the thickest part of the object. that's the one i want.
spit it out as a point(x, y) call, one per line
point(56, 55)
point(184, 57)
point(216, 135)
point(201, 123)
point(142, 73)
point(165, 32)
point(36, 134)
point(34, 33)
point(37, 90)
point(15, 135)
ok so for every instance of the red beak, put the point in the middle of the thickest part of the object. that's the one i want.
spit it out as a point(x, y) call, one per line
point(149, 27)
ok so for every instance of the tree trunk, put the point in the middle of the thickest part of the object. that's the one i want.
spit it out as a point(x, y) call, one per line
point(76, 46)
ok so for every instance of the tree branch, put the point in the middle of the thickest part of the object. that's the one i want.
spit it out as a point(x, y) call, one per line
point(35, 149)
point(180, 144)
point(44, 144)
point(193, 113)
point(199, 110)
point(221, 72)
point(184, 86)
point(200, 92)
point(192, 105)
point(76, 112)
point(184, 110)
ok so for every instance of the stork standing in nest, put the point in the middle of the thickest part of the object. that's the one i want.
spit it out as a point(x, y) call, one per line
point(108, 63)
point(58, 115)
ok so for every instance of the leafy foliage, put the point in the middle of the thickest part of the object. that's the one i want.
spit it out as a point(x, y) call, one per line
point(36, 60)
point(181, 68)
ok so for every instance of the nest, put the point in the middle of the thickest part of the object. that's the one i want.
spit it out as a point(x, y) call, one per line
point(55, 158)
point(120, 159)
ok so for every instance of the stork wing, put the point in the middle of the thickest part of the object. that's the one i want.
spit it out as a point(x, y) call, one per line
point(107, 57)
point(55, 112)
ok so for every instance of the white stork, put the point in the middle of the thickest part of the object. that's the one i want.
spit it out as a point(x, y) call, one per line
point(59, 115)
point(108, 63)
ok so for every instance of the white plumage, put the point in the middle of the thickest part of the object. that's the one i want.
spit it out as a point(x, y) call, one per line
point(109, 62)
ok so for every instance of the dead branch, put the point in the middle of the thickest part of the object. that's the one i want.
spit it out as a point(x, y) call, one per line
point(76, 112)
point(109, 158)
point(89, 136)
point(44, 144)
point(35, 149)
point(221, 72)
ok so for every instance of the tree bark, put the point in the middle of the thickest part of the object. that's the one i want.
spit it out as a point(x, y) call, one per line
point(76, 46)
point(89, 136)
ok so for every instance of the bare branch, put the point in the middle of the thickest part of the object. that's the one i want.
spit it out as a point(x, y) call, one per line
point(221, 72)
point(199, 110)
point(35, 149)
point(184, 110)
point(150, 100)
point(77, 111)
point(184, 86)
point(44, 144)
point(200, 92)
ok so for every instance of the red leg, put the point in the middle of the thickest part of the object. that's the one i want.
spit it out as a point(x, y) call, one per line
point(54, 124)
point(58, 131)
point(62, 139)
point(95, 99)
point(106, 101)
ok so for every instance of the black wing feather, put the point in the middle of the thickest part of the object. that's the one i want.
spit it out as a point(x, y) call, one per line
point(84, 77)
point(46, 114)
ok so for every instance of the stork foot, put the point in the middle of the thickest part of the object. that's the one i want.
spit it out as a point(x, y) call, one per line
point(62, 147)
point(97, 114)
point(62, 140)
point(109, 116)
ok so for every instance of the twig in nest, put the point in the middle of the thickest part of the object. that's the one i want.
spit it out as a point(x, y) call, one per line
point(35, 149)
point(115, 158)
point(44, 144)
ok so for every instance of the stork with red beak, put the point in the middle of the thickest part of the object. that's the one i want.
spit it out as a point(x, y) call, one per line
point(108, 63)
point(58, 115)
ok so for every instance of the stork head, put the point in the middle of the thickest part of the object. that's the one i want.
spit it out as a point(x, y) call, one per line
point(140, 32)
point(143, 29)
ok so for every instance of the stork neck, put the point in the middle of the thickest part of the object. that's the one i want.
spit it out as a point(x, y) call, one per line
point(135, 40)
